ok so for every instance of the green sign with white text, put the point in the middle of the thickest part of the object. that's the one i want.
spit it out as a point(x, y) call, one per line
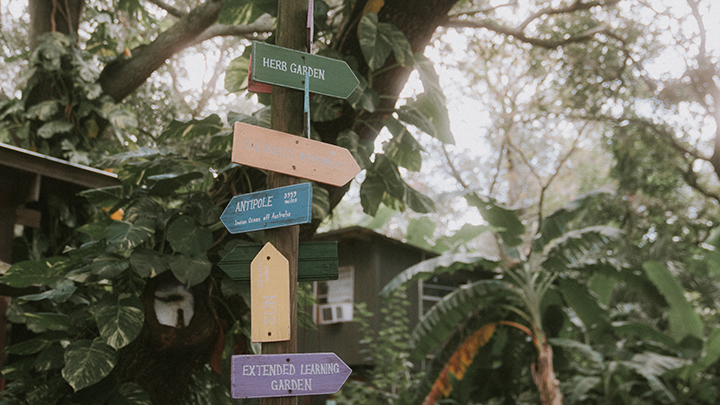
point(286, 67)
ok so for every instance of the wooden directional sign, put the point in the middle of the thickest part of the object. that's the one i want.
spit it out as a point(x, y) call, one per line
point(283, 206)
point(270, 296)
point(286, 67)
point(317, 261)
point(285, 375)
point(293, 155)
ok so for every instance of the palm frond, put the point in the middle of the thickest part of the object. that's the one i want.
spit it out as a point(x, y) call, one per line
point(444, 317)
point(576, 247)
point(448, 263)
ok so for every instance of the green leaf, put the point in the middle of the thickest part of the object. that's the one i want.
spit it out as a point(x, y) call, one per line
point(364, 97)
point(39, 322)
point(374, 48)
point(37, 272)
point(28, 347)
point(555, 224)
point(119, 116)
point(87, 362)
point(148, 263)
point(109, 266)
point(104, 197)
point(372, 191)
point(130, 393)
point(432, 103)
point(587, 308)
point(603, 286)
point(420, 231)
point(236, 74)
point(644, 332)
point(187, 237)
point(360, 150)
point(575, 247)
point(324, 108)
point(61, 293)
point(190, 270)
point(684, 321)
point(43, 110)
point(120, 158)
point(52, 128)
point(445, 316)
point(120, 321)
point(192, 129)
point(242, 12)
point(165, 184)
point(447, 263)
point(417, 201)
point(711, 350)
point(124, 236)
point(412, 115)
point(403, 148)
point(504, 220)
point(320, 202)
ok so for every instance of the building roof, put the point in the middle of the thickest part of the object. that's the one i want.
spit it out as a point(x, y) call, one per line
point(58, 169)
point(359, 232)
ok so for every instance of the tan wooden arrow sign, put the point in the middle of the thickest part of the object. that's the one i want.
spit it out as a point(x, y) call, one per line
point(270, 296)
point(293, 155)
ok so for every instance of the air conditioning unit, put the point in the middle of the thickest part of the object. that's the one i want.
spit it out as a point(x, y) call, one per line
point(335, 313)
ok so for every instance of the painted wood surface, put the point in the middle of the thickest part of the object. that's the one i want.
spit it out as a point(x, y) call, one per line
point(270, 296)
point(286, 67)
point(317, 261)
point(281, 375)
point(293, 155)
point(282, 206)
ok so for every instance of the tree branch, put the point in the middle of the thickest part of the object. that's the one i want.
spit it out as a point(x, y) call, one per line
point(122, 77)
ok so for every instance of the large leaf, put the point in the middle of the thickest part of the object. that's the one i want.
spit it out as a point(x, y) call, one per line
point(443, 318)
point(684, 321)
point(420, 231)
point(120, 158)
point(644, 332)
point(166, 184)
point(104, 197)
point(190, 270)
point(187, 237)
point(372, 191)
point(360, 150)
point(109, 266)
point(192, 129)
point(130, 394)
point(39, 322)
point(124, 236)
point(448, 263)
point(432, 104)
point(374, 47)
point(148, 263)
point(504, 220)
point(403, 148)
point(61, 293)
point(87, 362)
point(555, 224)
point(236, 74)
point(242, 12)
point(37, 272)
point(586, 306)
point(575, 248)
point(49, 129)
point(120, 320)
point(28, 347)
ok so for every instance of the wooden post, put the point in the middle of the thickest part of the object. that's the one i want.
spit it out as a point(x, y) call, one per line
point(287, 116)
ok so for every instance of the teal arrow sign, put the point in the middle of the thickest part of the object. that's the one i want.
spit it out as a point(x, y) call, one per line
point(285, 67)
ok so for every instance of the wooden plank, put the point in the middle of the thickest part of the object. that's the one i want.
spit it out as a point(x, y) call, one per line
point(282, 206)
point(292, 155)
point(282, 375)
point(317, 261)
point(270, 296)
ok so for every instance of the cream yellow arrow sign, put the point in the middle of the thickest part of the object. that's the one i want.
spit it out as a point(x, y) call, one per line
point(292, 155)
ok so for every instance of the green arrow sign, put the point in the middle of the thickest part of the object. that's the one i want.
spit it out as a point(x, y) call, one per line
point(285, 67)
point(317, 261)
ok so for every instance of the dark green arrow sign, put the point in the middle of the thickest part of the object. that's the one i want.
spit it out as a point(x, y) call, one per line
point(317, 261)
point(285, 67)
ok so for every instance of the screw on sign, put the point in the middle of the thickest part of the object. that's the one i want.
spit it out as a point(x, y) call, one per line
point(285, 375)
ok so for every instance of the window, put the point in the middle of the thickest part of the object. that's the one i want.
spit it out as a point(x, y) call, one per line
point(336, 298)
point(430, 292)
